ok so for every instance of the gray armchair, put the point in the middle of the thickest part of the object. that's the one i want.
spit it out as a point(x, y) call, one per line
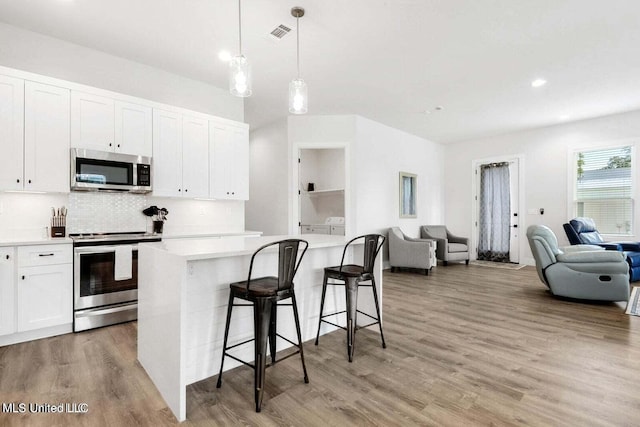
point(408, 252)
point(450, 247)
point(581, 271)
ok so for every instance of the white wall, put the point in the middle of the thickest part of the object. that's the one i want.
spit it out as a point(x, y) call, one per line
point(375, 154)
point(267, 209)
point(380, 153)
point(36, 53)
point(546, 170)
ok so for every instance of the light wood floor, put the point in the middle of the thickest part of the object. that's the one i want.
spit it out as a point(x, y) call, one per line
point(467, 345)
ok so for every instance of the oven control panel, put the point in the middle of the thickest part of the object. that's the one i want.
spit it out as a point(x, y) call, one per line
point(144, 175)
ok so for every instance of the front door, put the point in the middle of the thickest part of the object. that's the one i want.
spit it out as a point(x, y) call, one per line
point(497, 217)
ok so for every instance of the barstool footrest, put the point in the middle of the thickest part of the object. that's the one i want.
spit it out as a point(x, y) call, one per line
point(268, 365)
point(288, 340)
point(366, 326)
point(333, 324)
point(239, 360)
point(333, 314)
point(239, 344)
point(369, 316)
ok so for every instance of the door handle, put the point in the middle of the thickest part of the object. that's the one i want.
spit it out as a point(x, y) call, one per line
point(515, 225)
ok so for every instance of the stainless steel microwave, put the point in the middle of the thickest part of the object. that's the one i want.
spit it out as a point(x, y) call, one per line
point(93, 170)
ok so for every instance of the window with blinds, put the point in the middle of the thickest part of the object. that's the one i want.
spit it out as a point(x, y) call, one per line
point(603, 188)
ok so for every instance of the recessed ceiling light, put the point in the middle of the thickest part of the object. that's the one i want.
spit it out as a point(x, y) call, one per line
point(224, 56)
point(538, 82)
point(564, 117)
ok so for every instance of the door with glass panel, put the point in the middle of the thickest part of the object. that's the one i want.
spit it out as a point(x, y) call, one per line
point(497, 217)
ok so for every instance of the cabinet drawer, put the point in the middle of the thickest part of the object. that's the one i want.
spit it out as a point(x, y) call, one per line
point(29, 256)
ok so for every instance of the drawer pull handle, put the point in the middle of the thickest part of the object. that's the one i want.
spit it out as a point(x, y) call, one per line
point(46, 254)
point(22, 277)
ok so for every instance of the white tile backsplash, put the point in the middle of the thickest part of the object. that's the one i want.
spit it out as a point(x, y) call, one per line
point(27, 215)
point(106, 212)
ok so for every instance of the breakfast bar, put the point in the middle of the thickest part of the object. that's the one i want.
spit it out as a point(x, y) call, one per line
point(183, 290)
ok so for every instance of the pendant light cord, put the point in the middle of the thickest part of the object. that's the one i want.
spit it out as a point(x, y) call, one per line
point(298, 44)
point(240, 27)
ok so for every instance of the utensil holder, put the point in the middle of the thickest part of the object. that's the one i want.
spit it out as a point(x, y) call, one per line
point(157, 227)
point(58, 231)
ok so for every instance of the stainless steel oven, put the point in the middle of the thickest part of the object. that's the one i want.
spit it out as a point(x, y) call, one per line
point(100, 297)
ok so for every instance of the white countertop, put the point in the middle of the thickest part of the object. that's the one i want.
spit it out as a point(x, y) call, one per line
point(218, 234)
point(193, 249)
point(32, 241)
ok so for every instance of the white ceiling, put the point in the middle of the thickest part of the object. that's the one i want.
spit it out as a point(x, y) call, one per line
point(386, 60)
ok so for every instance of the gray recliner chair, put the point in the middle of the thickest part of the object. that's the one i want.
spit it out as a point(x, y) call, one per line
point(408, 252)
point(581, 271)
point(449, 247)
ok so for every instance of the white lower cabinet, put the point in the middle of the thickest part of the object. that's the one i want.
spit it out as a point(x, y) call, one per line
point(45, 296)
point(7, 287)
point(36, 291)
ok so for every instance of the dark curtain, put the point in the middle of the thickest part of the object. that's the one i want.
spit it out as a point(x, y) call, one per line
point(495, 213)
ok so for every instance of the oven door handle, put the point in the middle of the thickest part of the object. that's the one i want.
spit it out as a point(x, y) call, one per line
point(100, 249)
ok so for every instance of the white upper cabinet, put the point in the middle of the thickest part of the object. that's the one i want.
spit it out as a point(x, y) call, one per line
point(195, 157)
point(34, 130)
point(92, 121)
point(133, 133)
point(181, 155)
point(46, 138)
point(11, 133)
point(104, 124)
point(229, 161)
point(167, 149)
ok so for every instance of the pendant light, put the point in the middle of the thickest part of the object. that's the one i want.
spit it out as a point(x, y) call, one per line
point(239, 68)
point(297, 87)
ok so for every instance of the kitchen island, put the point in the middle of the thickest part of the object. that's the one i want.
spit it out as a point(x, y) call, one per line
point(183, 291)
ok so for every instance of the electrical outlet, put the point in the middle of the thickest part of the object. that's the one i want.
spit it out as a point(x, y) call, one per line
point(191, 270)
point(201, 210)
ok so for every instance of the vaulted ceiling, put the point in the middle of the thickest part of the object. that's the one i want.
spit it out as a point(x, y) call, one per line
point(390, 61)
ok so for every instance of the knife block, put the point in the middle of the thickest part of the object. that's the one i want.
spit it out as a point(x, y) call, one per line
point(58, 231)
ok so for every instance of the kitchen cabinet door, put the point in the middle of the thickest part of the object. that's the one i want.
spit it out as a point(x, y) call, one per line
point(133, 129)
point(195, 157)
point(229, 159)
point(46, 138)
point(241, 163)
point(7, 286)
point(45, 296)
point(11, 133)
point(167, 154)
point(92, 121)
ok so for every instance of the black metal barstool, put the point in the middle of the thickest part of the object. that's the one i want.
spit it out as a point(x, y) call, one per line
point(264, 294)
point(352, 277)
